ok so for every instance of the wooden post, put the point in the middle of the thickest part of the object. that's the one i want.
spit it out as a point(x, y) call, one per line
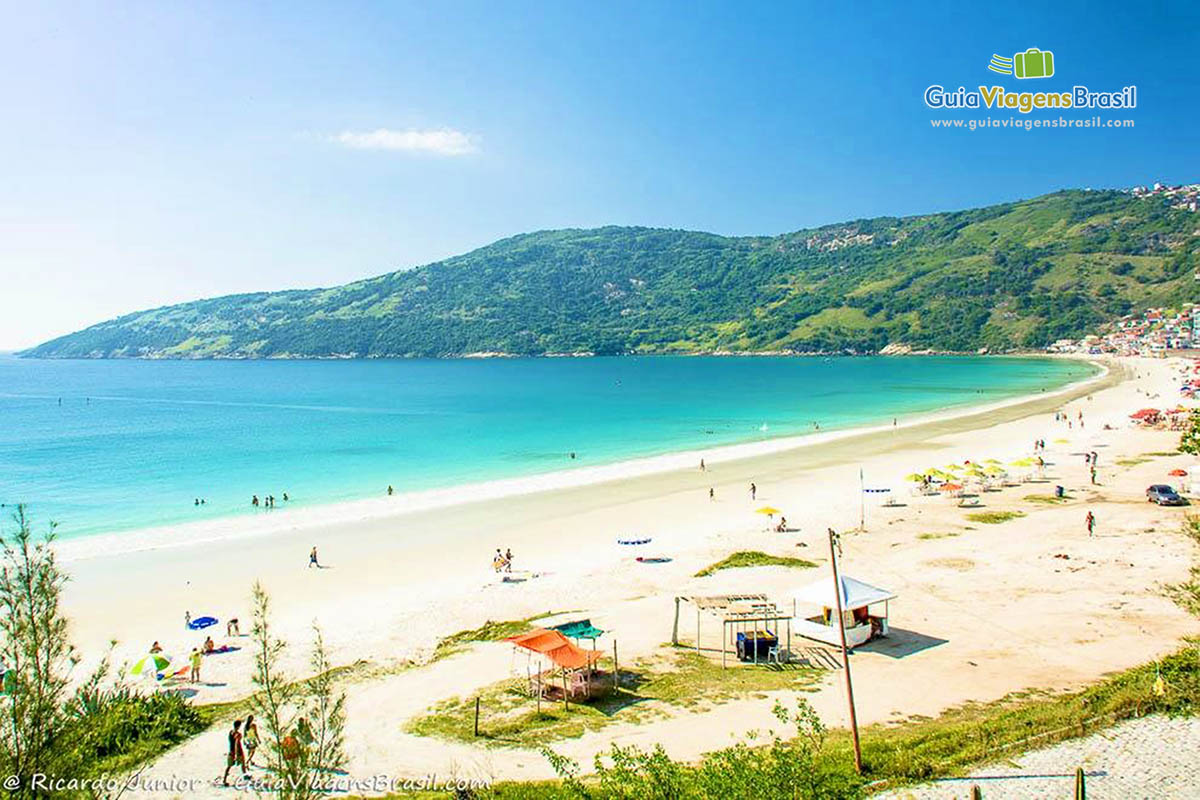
point(976, 793)
point(566, 702)
point(841, 623)
point(616, 668)
point(1080, 789)
point(539, 693)
point(477, 716)
point(675, 625)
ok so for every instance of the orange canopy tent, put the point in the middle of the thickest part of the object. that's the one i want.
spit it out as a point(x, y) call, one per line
point(556, 647)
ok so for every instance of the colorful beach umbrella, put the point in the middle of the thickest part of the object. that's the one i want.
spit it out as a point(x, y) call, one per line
point(151, 664)
point(1178, 473)
point(992, 461)
point(951, 487)
point(770, 511)
point(915, 477)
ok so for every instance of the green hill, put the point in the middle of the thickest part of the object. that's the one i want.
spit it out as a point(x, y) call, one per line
point(1008, 276)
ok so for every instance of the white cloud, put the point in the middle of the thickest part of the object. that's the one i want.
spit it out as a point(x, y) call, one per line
point(442, 141)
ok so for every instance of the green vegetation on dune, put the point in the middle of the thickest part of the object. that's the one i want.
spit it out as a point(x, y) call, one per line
point(685, 679)
point(994, 517)
point(753, 558)
point(1008, 276)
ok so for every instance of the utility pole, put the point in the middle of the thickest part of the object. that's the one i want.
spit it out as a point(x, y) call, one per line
point(834, 546)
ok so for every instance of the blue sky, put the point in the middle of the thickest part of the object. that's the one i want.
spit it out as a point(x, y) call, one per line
point(159, 152)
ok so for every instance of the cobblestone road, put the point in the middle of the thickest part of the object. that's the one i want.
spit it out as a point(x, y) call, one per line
point(1154, 758)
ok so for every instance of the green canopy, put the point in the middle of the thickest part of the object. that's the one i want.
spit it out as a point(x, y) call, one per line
point(579, 629)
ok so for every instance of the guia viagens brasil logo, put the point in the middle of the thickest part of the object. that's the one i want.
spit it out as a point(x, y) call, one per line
point(1029, 64)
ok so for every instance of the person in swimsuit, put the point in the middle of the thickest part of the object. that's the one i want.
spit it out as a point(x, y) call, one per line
point(250, 739)
point(312, 559)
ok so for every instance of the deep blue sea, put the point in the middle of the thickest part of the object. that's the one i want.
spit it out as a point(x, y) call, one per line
point(111, 445)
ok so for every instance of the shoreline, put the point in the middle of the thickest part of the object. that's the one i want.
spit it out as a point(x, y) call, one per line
point(747, 455)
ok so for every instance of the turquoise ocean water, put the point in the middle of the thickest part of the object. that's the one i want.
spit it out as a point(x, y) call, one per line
point(103, 446)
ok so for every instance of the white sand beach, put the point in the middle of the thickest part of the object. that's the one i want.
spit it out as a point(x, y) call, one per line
point(982, 610)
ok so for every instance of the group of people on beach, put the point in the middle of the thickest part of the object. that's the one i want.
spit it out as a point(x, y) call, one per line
point(268, 501)
point(1063, 416)
point(502, 562)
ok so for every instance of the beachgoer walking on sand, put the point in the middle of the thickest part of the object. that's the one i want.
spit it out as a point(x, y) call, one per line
point(236, 754)
point(250, 739)
point(753, 491)
point(312, 559)
point(195, 659)
point(498, 560)
point(702, 467)
point(187, 620)
point(711, 495)
point(231, 628)
point(1095, 457)
point(508, 560)
point(1093, 476)
point(1091, 522)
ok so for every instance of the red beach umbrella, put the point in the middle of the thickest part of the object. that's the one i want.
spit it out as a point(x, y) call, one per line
point(1178, 473)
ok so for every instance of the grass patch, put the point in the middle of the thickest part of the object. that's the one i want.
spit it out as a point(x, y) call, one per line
point(684, 679)
point(754, 558)
point(994, 517)
point(927, 536)
point(1161, 453)
point(487, 632)
point(1130, 462)
point(1047, 499)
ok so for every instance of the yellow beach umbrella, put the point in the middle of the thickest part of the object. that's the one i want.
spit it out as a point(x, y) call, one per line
point(994, 471)
point(992, 461)
point(953, 466)
point(770, 511)
point(915, 477)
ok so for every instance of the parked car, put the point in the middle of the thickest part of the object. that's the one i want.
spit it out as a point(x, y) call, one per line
point(1164, 495)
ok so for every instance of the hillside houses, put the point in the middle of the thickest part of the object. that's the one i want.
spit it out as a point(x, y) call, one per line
point(1149, 333)
point(1185, 197)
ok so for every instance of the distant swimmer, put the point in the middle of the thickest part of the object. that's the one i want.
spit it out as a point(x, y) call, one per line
point(285, 497)
point(254, 500)
point(572, 455)
point(390, 490)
